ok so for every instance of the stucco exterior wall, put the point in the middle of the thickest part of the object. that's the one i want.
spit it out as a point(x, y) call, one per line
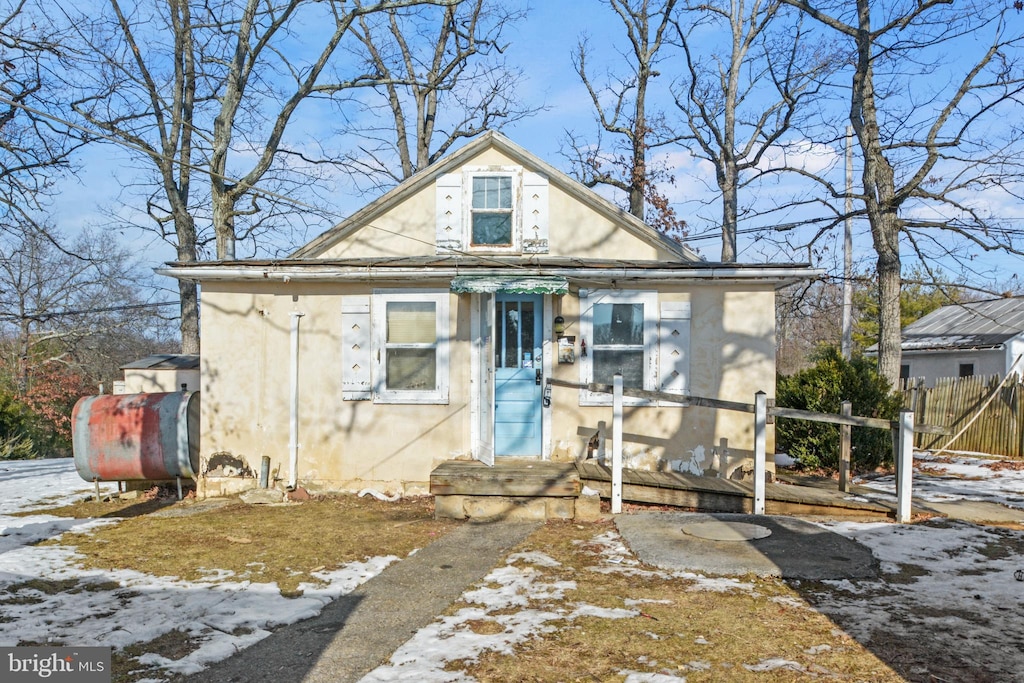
point(409, 229)
point(349, 445)
point(732, 347)
point(342, 444)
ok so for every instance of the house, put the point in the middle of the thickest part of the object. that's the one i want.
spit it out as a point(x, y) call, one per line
point(161, 372)
point(965, 339)
point(423, 327)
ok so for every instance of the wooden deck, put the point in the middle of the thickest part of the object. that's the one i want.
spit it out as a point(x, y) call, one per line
point(524, 479)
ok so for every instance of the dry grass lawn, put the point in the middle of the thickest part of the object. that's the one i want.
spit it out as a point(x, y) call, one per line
point(683, 630)
point(765, 631)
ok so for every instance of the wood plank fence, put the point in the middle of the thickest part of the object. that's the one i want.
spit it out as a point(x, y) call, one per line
point(986, 409)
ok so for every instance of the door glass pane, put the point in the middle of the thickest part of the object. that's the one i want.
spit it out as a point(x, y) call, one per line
point(512, 325)
point(411, 322)
point(411, 369)
point(619, 324)
point(629, 362)
point(526, 338)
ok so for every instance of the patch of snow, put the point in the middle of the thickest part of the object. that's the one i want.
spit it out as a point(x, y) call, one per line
point(784, 460)
point(646, 601)
point(646, 677)
point(425, 656)
point(956, 477)
point(124, 607)
point(773, 664)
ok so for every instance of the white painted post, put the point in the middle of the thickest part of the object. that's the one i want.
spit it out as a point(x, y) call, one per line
point(760, 441)
point(904, 466)
point(844, 449)
point(617, 444)
point(293, 404)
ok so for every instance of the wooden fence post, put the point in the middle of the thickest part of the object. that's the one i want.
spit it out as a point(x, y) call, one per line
point(760, 429)
point(844, 449)
point(617, 444)
point(904, 466)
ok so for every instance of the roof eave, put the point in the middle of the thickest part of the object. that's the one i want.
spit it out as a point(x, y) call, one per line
point(780, 276)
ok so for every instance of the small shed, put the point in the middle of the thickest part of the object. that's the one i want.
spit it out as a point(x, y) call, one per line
point(964, 339)
point(161, 372)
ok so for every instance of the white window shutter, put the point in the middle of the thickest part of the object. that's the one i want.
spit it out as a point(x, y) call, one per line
point(674, 347)
point(535, 213)
point(449, 213)
point(355, 348)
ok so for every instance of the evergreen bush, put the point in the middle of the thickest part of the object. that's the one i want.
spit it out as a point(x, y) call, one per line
point(823, 388)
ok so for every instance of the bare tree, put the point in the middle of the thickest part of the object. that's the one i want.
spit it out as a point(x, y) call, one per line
point(254, 54)
point(34, 148)
point(199, 90)
point(445, 79)
point(739, 102)
point(143, 92)
point(57, 299)
point(933, 87)
point(622, 112)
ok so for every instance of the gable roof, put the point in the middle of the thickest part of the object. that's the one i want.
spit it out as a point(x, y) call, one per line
point(164, 361)
point(974, 325)
point(447, 164)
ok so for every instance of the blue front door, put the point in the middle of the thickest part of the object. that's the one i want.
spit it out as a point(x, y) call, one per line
point(517, 373)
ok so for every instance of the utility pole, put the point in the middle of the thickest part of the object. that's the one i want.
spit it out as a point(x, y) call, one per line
point(847, 344)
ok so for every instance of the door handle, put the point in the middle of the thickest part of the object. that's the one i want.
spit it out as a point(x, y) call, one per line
point(538, 378)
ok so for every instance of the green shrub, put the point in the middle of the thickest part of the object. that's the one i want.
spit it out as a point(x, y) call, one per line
point(17, 448)
point(21, 435)
point(823, 388)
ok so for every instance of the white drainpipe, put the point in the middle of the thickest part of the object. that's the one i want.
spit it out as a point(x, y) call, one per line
point(293, 419)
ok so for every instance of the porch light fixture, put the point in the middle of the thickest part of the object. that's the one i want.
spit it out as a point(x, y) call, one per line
point(559, 325)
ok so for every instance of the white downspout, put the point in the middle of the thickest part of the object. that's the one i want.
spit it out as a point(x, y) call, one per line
point(293, 404)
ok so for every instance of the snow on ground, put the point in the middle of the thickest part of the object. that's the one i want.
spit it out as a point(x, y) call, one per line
point(123, 607)
point(428, 655)
point(956, 476)
point(945, 586)
point(950, 585)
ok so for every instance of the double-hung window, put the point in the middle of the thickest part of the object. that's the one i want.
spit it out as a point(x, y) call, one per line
point(411, 344)
point(492, 209)
point(491, 222)
point(621, 328)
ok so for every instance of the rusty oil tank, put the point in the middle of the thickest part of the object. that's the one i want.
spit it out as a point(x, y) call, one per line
point(131, 437)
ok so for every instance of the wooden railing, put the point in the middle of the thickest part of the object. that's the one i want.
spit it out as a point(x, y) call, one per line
point(764, 413)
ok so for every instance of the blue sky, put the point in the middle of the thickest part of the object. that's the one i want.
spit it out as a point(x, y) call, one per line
point(542, 45)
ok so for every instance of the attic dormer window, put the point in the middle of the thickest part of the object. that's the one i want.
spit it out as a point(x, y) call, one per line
point(491, 211)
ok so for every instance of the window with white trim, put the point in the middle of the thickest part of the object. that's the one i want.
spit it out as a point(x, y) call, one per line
point(494, 209)
point(491, 211)
point(410, 339)
point(621, 330)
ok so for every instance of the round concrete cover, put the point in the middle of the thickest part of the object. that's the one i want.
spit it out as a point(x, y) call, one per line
point(726, 531)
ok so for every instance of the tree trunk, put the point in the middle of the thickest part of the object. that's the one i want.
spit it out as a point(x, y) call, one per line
point(639, 180)
point(727, 182)
point(224, 224)
point(880, 200)
point(189, 293)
